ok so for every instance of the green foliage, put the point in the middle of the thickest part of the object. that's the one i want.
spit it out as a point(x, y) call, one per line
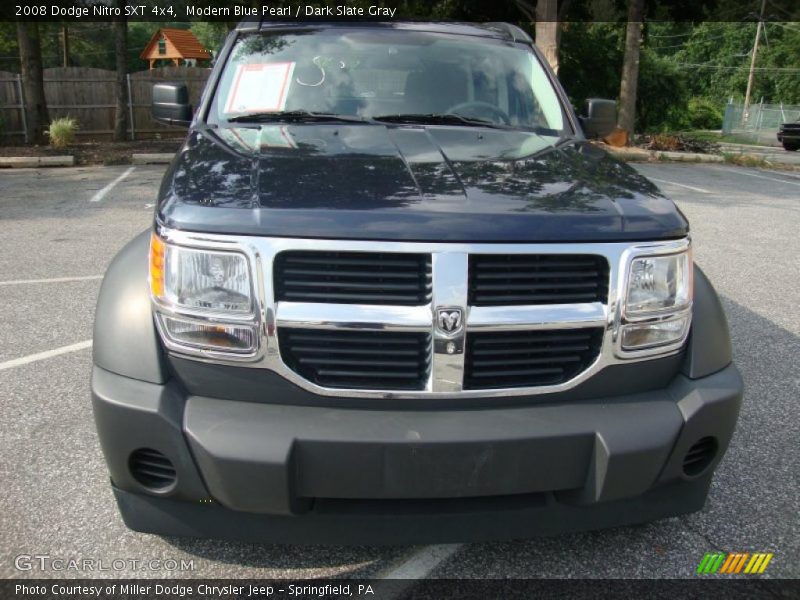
point(591, 59)
point(211, 33)
point(687, 72)
point(705, 113)
point(716, 60)
point(663, 95)
point(62, 132)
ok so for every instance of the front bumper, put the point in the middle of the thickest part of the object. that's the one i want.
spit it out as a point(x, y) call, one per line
point(791, 135)
point(317, 474)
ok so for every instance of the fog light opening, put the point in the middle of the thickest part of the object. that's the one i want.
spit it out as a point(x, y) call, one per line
point(700, 456)
point(151, 469)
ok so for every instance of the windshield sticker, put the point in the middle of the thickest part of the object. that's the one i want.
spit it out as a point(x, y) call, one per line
point(260, 87)
point(276, 136)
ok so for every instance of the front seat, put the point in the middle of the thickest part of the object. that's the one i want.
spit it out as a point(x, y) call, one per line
point(435, 89)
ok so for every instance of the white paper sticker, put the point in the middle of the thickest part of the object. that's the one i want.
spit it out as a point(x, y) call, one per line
point(260, 87)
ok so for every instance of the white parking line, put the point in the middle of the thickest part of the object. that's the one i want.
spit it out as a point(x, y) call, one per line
point(791, 175)
point(51, 280)
point(683, 185)
point(18, 362)
point(421, 563)
point(751, 174)
point(100, 194)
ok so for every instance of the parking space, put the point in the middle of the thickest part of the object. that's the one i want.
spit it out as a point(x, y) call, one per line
point(59, 233)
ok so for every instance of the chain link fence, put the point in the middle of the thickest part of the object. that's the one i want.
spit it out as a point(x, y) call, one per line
point(759, 124)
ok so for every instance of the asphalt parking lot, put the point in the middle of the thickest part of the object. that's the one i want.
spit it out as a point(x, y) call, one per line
point(60, 228)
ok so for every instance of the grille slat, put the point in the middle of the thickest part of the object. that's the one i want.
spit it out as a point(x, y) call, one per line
point(358, 351)
point(700, 456)
point(539, 286)
point(541, 275)
point(508, 359)
point(353, 277)
point(356, 285)
point(360, 274)
point(358, 359)
point(528, 279)
point(530, 361)
point(152, 469)
point(518, 372)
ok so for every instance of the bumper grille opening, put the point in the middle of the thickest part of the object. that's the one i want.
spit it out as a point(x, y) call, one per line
point(358, 359)
point(520, 279)
point(152, 469)
point(700, 456)
point(353, 277)
point(510, 359)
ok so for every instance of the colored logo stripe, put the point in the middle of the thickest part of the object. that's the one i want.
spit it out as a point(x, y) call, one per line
point(720, 562)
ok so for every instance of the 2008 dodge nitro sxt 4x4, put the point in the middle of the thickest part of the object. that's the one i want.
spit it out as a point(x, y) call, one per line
point(393, 295)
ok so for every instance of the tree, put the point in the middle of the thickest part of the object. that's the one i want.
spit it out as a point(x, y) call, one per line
point(547, 30)
point(30, 58)
point(630, 67)
point(121, 55)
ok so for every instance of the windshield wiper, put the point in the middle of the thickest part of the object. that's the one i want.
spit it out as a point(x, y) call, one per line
point(438, 119)
point(293, 116)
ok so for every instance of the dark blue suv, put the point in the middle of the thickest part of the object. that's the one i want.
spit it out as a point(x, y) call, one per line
point(393, 295)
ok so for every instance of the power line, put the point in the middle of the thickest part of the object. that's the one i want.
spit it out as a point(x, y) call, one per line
point(783, 26)
point(725, 67)
point(671, 36)
point(686, 42)
point(780, 8)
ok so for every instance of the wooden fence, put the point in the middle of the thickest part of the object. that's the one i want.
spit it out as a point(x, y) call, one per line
point(89, 95)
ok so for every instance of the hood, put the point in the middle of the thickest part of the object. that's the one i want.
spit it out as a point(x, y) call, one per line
point(403, 183)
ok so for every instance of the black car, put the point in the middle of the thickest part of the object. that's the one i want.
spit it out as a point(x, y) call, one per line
point(789, 136)
point(392, 295)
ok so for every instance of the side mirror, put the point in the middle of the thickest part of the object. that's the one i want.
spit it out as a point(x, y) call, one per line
point(600, 119)
point(171, 104)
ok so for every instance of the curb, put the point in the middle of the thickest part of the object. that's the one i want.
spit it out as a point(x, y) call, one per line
point(153, 158)
point(20, 162)
point(689, 156)
point(655, 155)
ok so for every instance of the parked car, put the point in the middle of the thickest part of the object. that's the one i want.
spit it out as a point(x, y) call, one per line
point(789, 135)
point(392, 294)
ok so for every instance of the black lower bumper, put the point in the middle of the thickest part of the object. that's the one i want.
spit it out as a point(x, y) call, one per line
point(383, 523)
point(304, 474)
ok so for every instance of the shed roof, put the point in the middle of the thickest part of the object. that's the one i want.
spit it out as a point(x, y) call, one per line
point(184, 41)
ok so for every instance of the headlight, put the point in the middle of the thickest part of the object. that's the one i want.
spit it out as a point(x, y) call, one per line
point(200, 280)
point(203, 298)
point(658, 283)
point(230, 338)
point(657, 304)
point(648, 335)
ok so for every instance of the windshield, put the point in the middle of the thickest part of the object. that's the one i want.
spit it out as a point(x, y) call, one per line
point(401, 76)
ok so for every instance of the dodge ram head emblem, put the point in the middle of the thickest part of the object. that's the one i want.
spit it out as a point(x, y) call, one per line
point(448, 319)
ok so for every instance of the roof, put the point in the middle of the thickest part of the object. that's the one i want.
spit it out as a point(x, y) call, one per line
point(506, 31)
point(187, 45)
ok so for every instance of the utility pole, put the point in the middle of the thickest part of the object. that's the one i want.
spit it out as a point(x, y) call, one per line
point(753, 60)
point(65, 45)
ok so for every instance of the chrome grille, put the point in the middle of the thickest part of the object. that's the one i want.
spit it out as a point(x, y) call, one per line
point(353, 277)
point(358, 359)
point(447, 367)
point(528, 358)
point(508, 279)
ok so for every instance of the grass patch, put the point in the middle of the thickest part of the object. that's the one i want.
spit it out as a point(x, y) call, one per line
point(718, 138)
point(746, 160)
point(62, 132)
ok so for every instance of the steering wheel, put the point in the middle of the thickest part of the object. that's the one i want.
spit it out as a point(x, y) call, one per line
point(464, 107)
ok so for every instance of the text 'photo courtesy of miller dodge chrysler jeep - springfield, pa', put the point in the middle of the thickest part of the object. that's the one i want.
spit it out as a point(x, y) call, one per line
point(393, 295)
